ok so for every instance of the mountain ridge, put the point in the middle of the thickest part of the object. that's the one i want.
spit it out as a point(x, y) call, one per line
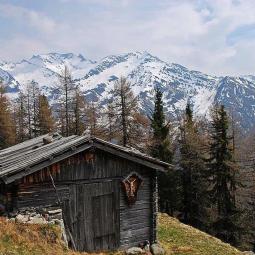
point(145, 71)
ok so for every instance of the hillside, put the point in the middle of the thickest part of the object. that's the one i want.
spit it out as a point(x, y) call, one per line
point(177, 238)
point(181, 239)
point(96, 79)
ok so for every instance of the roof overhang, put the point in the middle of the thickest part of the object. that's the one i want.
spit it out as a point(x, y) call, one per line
point(83, 145)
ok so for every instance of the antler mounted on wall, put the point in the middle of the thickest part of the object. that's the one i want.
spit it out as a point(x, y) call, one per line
point(131, 185)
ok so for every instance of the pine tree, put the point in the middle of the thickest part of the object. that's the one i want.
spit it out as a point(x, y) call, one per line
point(45, 117)
point(194, 182)
point(223, 171)
point(79, 113)
point(161, 144)
point(29, 114)
point(35, 91)
point(160, 130)
point(31, 100)
point(161, 149)
point(61, 120)
point(21, 118)
point(7, 130)
point(111, 133)
point(137, 124)
point(140, 132)
point(93, 127)
point(125, 106)
point(67, 98)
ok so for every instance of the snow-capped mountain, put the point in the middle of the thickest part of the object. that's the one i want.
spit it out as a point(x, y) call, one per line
point(144, 71)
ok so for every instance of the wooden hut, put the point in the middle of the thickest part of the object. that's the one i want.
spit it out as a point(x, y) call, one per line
point(107, 193)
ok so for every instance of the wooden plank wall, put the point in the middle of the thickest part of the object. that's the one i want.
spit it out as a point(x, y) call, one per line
point(154, 201)
point(40, 195)
point(137, 223)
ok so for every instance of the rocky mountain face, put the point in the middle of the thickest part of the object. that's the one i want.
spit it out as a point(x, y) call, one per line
point(96, 80)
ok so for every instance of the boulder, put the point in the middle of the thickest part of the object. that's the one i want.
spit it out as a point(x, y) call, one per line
point(248, 253)
point(21, 218)
point(157, 249)
point(135, 251)
point(37, 220)
point(47, 140)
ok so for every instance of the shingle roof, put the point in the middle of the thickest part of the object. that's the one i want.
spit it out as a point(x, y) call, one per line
point(32, 155)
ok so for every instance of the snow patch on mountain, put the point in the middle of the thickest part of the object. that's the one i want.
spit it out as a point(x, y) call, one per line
point(96, 79)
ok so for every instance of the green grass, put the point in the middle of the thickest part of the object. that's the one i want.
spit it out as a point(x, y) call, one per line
point(177, 238)
point(181, 239)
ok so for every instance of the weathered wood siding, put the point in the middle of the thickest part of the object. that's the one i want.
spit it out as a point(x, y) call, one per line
point(92, 213)
point(136, 223)
point(40, 195)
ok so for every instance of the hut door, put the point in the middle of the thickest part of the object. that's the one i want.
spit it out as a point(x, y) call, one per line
point(104, 218)
point(96, 217)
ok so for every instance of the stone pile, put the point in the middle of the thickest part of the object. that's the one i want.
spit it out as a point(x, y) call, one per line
point(40, 216)
point(154, 249)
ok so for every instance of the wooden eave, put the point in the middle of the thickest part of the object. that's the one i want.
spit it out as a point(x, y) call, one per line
point(15, 166)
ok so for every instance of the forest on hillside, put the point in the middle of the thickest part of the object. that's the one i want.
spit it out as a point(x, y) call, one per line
point(209, 183)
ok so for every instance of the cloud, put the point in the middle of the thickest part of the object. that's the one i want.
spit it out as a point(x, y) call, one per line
point(28, 17)
point(204, 35)
point(21, 47)
point(111, 3)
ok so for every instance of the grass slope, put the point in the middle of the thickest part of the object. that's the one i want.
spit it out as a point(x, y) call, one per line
point(181, 239)
point(177, 238)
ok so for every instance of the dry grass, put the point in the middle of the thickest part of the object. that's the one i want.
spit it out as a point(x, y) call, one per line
point(177, 238)
point(30, 239)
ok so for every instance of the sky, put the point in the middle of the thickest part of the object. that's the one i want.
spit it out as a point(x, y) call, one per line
point(213, 36)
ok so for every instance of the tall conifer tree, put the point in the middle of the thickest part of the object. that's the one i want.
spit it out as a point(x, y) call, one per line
point(80, 107)
point(111, 133)
point(93, 123)
point(194, 183)
point(161, 143)
point(7, 130)
point(125, 107)
point(21, 118)
point(67, 94)
point(45, 118)
point(223, 176)
point(161, 149)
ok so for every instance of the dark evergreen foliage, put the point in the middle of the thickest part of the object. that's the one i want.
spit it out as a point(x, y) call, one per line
point(223, 177)
point(161, 144)
point(194, 182)
point(161, 148)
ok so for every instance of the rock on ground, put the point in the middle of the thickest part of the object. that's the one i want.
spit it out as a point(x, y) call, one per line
point(22, 218)
point(157, 249)
point(37, 220)
point(135, 251)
